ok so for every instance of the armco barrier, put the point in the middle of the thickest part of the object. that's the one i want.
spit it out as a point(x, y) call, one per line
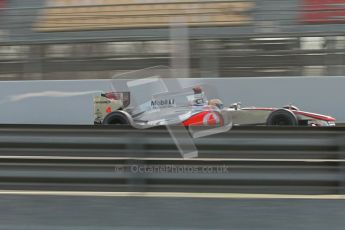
point(267, 160)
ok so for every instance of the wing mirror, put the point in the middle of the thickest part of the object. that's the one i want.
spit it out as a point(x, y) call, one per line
point(235, 106)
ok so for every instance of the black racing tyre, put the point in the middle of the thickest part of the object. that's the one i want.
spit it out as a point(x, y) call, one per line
point(116, 118)
point(282, 117)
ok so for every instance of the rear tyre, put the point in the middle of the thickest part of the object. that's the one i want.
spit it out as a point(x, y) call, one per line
point(282, 117)
point(116, 118)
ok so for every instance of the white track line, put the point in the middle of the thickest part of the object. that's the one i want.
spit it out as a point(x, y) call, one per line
point(172, 195)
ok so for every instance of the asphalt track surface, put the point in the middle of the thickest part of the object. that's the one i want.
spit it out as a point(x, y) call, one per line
point(74, 212)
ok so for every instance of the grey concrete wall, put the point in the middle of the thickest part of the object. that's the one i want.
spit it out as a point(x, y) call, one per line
point(70, 102)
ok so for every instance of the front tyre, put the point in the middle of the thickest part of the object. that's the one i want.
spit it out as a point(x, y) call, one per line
point(282, 117)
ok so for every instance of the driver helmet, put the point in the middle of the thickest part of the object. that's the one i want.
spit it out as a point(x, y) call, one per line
point(216, 102)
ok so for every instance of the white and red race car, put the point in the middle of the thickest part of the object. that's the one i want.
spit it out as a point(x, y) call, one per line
point(114, 108)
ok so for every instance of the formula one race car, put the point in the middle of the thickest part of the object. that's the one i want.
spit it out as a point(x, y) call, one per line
point(114, 108)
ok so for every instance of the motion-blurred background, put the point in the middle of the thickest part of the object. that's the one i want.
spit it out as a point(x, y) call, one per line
point(80, 176)
point(84, 39)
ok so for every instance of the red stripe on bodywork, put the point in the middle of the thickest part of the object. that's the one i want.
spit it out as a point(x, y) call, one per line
point(198, 119)
point(315, 116)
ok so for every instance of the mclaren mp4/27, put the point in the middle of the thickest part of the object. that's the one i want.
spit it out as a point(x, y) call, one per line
point(113, 108)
